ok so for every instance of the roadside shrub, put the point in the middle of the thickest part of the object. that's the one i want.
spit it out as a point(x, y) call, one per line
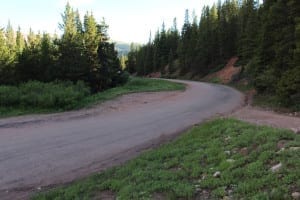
point(121, 78)
point(9, 96)
point(34, 94)
point(288, 88)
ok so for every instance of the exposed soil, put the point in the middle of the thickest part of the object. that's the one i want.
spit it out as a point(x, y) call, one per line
point(105, 195)
point(226, 75)
point(154, 75)
point(263, 117)
point(252, 114)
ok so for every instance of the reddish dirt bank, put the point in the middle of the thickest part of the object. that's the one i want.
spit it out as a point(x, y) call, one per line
point(226, 74)
point(253, 114)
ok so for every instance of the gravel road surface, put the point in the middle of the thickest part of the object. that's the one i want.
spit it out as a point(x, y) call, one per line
point(41, 151)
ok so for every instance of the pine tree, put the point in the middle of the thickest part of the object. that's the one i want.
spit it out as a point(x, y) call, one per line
point(110, 70)
point(29, 66)
point(78, 22)
point(49, 57)
point(171, 66)
point(7, 55)
point(173, 42)
point(276, 43)
point(163, 50)
point(69, 26)
point(71, 47)
point(92, 38)
point(288, 88)
point(184, 44)
point(147, 65)
point(248, 30)
point(207, 49)
point(20, 41)
point(296, 58)
point(174, 38)
point(5, 61)
point(155, 58)
point(32, 39)
point(4, 50)
point(103, 31)
point(107, 70)
point(131, 59)
point(192, 45)
point(10, 37)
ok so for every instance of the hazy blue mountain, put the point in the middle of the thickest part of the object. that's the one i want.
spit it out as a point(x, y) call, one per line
point(122, 48)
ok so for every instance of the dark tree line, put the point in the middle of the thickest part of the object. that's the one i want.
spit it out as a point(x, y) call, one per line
point(266, 37)
point(83, 52)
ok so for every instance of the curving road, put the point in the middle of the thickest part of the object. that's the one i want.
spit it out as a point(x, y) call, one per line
point(40, 151)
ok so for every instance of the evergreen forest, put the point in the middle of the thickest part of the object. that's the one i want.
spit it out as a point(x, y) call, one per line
point(265, 36)
point(82, 53)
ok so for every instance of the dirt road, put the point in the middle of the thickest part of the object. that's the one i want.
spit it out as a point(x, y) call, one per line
point(40, 151)
point(263, 117)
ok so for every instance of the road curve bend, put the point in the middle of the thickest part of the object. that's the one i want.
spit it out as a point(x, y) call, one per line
point(39, 154)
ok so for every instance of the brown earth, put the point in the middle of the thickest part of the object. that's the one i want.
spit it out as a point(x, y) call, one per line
point(226, 74)
point(270, 118)
point(252, 114)
point(154, 75)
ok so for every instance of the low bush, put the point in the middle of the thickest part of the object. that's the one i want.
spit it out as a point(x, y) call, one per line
point(37, 95)
point(288, 89)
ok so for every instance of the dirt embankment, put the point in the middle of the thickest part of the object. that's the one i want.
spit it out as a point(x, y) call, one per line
point(227, 74)
point(252, 114)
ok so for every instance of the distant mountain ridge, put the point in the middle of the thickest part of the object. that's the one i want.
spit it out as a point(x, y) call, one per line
point(123, 48)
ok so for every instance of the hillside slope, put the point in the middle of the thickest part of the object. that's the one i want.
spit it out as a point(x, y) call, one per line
point(227, 74)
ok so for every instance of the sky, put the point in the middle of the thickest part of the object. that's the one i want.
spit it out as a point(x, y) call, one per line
point(128, 20)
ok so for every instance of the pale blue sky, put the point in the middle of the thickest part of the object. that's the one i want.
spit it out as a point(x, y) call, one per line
point(129, 20)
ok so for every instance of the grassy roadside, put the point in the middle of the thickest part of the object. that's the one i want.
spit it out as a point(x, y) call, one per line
point(133, 85)
point(222, 159)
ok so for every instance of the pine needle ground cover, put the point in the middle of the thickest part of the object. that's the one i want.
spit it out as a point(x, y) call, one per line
point(37, 97)
point(221, 159)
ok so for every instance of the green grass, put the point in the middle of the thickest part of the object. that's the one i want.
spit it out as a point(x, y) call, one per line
point(184, 169)
point(215, 80)
point(134, 85)
point(37, 97)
